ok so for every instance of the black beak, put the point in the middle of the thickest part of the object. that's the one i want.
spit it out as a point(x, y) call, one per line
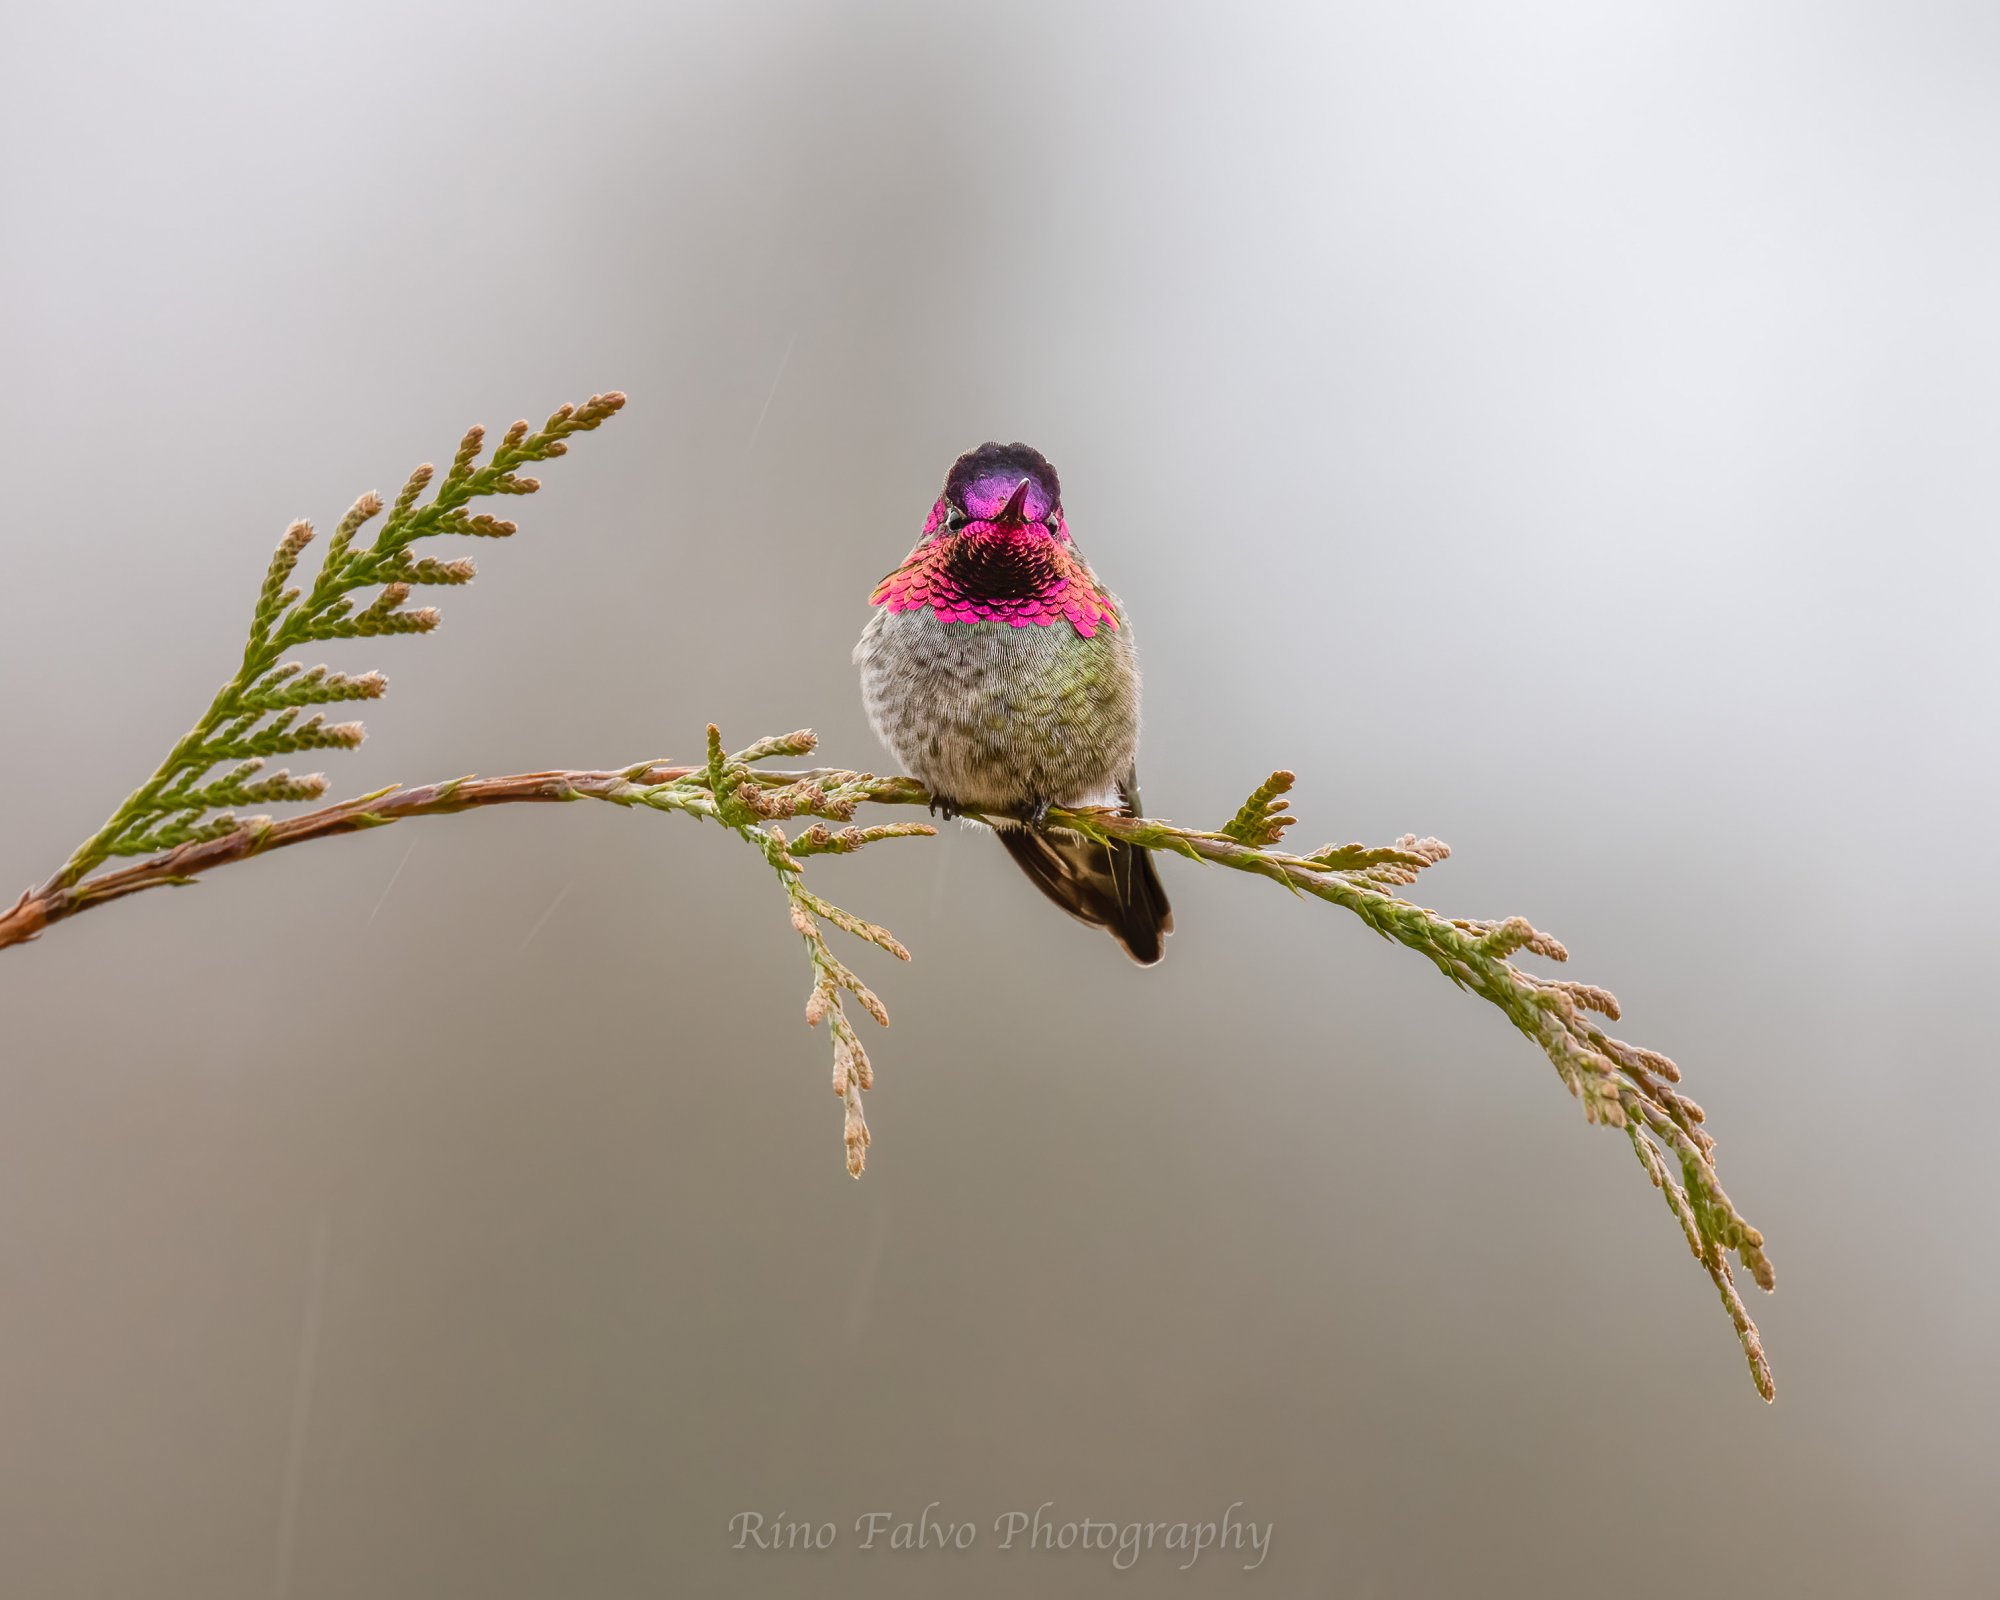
point(1016, 508)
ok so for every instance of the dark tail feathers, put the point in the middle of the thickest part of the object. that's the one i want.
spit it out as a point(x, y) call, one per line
point(1109, 886)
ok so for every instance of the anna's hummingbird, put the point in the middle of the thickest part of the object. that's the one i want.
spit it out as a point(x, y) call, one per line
point(1002, 676)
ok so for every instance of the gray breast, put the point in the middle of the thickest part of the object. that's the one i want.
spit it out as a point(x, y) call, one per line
point(995, 716)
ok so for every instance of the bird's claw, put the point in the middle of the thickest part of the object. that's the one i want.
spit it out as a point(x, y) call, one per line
point(1036, 814)
point(948, 809)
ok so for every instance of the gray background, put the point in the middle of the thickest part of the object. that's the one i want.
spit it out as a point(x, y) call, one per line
point(1569, 430)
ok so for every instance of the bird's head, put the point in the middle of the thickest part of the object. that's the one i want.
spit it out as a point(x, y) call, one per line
point(995, 548)
point(1006, 489)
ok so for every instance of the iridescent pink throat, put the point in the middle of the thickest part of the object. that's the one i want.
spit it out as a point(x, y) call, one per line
point(1023, 574)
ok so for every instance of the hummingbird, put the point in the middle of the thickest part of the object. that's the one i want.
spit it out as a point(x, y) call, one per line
point(1002, 675)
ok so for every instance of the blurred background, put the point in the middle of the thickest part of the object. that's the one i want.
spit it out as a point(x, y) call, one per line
point(1567, 430)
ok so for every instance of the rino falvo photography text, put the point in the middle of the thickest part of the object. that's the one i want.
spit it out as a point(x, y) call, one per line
point(1125, 1543)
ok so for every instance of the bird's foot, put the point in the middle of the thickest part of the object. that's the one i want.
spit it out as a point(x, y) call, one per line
point(950, 810)
point(1036, 814)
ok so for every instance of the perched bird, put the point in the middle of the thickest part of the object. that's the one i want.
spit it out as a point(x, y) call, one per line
point(1002, 676)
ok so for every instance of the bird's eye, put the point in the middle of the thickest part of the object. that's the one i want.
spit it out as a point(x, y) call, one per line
point(954, 518)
